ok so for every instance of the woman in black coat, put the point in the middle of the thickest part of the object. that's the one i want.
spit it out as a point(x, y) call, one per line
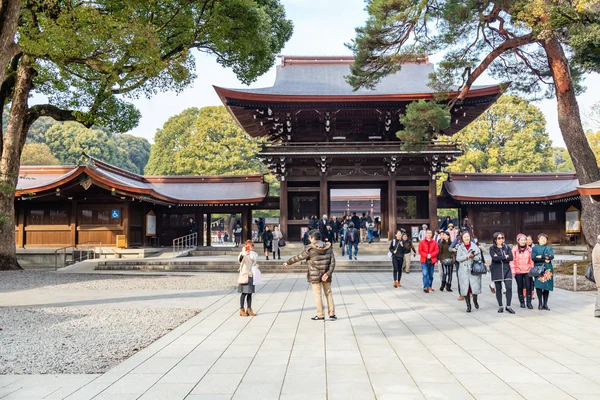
point(398, 248)
point(501, 255)
point(267, 238)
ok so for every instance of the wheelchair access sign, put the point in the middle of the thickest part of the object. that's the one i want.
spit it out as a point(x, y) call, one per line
point(115, 214)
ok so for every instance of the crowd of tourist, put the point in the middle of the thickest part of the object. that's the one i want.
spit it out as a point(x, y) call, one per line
point(453, 251)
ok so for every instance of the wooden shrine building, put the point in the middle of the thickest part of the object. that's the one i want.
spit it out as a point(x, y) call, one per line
point(73, 205)
point(517, 203)
point(322, 135)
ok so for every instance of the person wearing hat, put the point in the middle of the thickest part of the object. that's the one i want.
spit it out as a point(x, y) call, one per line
point(520, 266)
point(542, 254)
point(453, 232)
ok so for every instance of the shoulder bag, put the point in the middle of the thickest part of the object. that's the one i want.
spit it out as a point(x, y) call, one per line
point(390, 254)
point(243, 278)
point(538, 270)
point(478, 268)
point(589, 273)
point(281, 243)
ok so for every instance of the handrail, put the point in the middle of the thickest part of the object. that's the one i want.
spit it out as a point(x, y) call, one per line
point(90, 249)
point(343, 143)
point(183, 243)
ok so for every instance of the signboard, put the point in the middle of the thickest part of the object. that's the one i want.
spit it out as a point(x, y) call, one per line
point(151, 224)
point(303, 230)
point(414, 233)
point(573, 220)
point(115, 214)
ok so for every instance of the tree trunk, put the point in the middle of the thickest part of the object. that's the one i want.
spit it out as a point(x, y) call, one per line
point(569, 121)
point(9, 19)
point(12, 145)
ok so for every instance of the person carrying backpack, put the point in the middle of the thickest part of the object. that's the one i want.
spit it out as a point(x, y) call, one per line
point(352, 239)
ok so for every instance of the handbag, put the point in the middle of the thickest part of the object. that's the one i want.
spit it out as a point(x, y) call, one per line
point(589, 273)
point(281, 243)
point(390, 254)
point(447, 261)
point(537, 271)
point(478, 268)
point(243, 278)
point(256, 275)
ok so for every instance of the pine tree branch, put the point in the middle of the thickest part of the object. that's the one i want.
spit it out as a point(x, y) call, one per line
point(487, 61)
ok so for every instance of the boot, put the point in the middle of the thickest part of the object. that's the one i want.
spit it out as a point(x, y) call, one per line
point(448, 288)
point(545, 306)
point(475, 301)
point(468, 301)
point(521, 301)
point(529, 305)
point(540, 304)
point(267, 257)
point(399, 285)
point(243, 313)
point(250, 312)
point(395, 283)
point(443, 286)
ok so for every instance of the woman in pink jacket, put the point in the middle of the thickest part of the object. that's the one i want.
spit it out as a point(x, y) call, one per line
point(520, 266)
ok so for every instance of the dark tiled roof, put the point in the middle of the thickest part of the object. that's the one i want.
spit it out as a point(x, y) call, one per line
point(511, 187)
point(330, 80)
point(173, 189)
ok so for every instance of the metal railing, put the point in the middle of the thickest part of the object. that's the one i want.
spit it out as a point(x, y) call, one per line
point(184, 243)
point(80, 252)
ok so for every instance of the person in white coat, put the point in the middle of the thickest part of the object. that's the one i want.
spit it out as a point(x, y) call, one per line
point(247, 259)
point(277, 235)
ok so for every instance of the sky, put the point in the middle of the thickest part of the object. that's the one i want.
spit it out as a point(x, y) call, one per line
point(320, 28)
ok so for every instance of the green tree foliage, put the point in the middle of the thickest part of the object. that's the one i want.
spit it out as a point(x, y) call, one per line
point(38, 129)
point(38, 154)
point(542, 46)
point(205, 141)
point(509, 137)
point(69, 140)
point(422, 120)
point(562, 160)
point(90, 58)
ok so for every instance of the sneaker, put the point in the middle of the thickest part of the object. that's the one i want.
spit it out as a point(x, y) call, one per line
point(431, 289)
point(332, 317)
point(355, 258)
point(425, 290)
point(317, 318)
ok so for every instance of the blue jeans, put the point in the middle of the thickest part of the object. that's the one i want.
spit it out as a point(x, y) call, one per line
point(350, 245)
point(343, 248)
point(370, 235)
point(427, 275)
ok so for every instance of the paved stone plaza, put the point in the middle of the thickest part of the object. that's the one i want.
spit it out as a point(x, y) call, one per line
point(387, 344)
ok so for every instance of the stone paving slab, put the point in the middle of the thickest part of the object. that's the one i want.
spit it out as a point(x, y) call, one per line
point(387, 344)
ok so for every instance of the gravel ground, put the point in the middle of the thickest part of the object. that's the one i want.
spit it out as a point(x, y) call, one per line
point(78, 340)
point(28, 279)
point(566, 282)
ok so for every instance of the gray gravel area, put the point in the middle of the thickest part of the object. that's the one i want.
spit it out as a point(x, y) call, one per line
point(89, 340)
point(23, 280)
point(566, 282)
point(78, 340)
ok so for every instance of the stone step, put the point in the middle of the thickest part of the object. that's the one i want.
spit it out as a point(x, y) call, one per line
point(229, 267)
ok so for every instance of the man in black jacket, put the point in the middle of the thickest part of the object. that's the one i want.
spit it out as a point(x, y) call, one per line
point(352, 239)
point(321, 264)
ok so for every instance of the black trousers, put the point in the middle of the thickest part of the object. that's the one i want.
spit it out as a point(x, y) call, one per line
point(524, 281)
point(248, 298)
point(397, 263)
point(542, 296)
point(508, 285)
point(446, 274)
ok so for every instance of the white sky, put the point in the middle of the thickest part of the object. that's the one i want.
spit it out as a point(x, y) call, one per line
point(320, 28)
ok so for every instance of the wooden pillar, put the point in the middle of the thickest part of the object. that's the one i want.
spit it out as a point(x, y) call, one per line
point(432, 205)
point(392, 205)
point(208, 230)
point(283, 209)
point(73, 223)
point(323, 197)
point(200, 221)
point(247, 224)
point(126, 223)
point(20, 239)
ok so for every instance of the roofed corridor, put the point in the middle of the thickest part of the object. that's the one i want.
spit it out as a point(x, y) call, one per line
point(387, 344)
